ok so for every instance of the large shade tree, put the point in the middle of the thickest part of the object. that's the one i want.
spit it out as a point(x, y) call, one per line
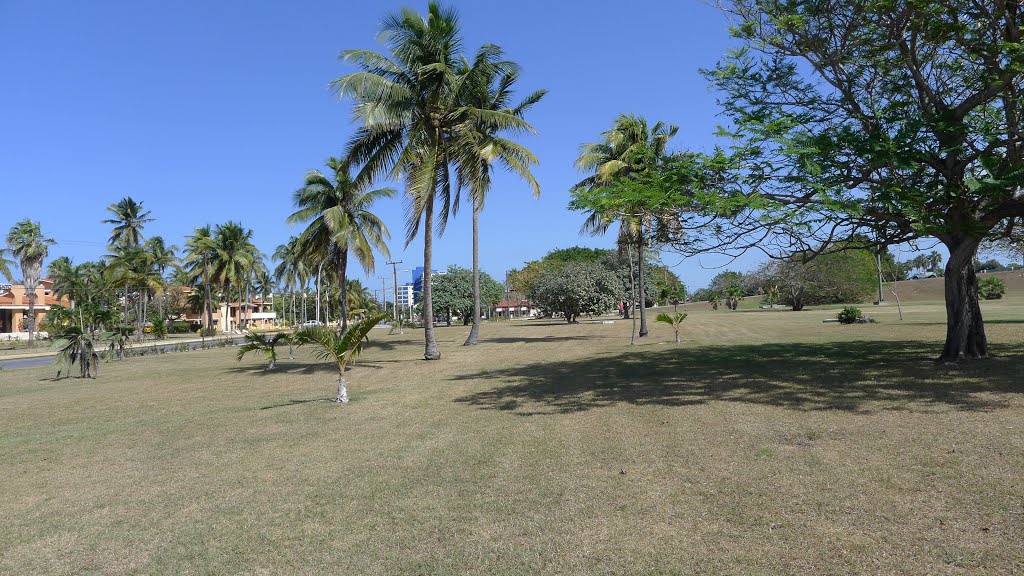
point(410, 104)
point(336, 211)
point(890, 121)
point(28, 245)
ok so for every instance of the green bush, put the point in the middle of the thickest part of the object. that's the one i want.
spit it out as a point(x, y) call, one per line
point(850, 315)
point(991, 288)
point(159, 329)
point(181, 328)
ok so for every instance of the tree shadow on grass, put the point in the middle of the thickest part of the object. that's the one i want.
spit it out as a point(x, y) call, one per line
point(859, 376)
point(537, 339)
point(297, 402)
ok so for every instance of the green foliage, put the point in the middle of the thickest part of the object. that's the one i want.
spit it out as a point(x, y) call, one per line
point(76, 346)
point(991, 288)
point(841, 277)
point(159, 329)
point(181, 328)
point(673, 320)
point(577, 288)
point(120, 339)
point(454, 291)
point(850, 315)
point(262, 343)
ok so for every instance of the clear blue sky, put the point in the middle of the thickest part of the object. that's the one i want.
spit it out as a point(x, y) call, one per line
point(213, 111)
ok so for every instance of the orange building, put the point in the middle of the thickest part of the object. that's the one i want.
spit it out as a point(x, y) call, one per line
point(256, 313)
point(14, 307)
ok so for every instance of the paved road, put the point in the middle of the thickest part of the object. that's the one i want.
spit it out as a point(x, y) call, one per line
point(48, 360)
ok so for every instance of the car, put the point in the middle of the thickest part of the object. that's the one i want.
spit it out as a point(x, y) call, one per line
point(920, 275)
point(311, 323)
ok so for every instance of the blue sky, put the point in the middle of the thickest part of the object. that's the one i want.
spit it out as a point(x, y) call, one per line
point(213, 111)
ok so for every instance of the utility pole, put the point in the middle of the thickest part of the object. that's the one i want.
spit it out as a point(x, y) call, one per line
point(383, 294)
point(398, 314)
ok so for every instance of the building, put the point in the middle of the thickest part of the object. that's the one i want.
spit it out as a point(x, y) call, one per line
point(406, 295)
point(514, 309)
point(14, 307)
point(417, 282)
point(256, 314)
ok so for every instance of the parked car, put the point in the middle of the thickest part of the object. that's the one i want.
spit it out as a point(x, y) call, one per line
point(311, 323)
point(920, 275)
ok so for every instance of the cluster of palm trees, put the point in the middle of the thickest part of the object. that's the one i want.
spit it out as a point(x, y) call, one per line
point(221, 262)
point(430, 117)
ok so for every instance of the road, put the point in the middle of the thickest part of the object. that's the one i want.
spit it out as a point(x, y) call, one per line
point(39, 361)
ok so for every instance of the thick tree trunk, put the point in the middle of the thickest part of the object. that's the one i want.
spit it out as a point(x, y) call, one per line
point(965, 328)
point(342, 390)
point(342, 270)
point(474, 332)
point(641, 286)
point(430, 351)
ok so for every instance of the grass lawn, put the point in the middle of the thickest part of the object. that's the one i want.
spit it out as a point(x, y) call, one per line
point(766, 443)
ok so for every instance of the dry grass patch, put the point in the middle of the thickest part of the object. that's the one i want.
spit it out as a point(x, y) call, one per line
point(766, 443)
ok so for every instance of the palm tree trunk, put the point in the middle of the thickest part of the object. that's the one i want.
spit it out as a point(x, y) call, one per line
point(207, 301)
point(342, 390)
point(342, 270)
point(474, 332)
point(430, 344)
point(31, 323)
point(641, 284)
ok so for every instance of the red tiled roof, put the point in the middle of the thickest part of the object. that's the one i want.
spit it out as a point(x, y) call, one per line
point(513, 303)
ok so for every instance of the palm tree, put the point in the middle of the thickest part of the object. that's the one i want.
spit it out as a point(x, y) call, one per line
point(26, 242)
point(234, 256)
point(128, 219)
point(290, 269)
point(673, 320)
point(74, 345)
point(411, 104)
point(199, 253)
point(162, 257)
point(340, 347)
point(266, 344)
point(629, 149)
point(481, 144)
point(5, 266)
point(338, 217)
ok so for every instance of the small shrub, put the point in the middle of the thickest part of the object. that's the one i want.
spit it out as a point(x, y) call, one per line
point(181, 328)
point(159, 329)
point(991, 288)
point(850, 315)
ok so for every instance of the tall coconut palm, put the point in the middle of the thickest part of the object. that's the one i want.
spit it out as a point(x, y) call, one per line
point(290, 269)
point(163, 257)
point(129, 218)
point(631, 148)
point(199, 253)
point(26, 243)
point(410, 105)
point(234, 256)
point(482, 144)
point(338, 220)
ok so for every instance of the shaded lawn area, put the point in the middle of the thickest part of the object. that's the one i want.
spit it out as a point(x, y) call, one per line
point(853, 376)
point(767, 443)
